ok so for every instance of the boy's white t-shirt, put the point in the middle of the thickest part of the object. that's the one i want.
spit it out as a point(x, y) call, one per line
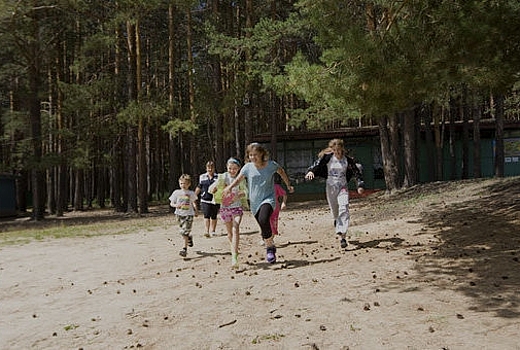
point(182, 201)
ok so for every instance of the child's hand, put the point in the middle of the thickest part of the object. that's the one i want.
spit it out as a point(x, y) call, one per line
point(226, 191)
point(282, 206)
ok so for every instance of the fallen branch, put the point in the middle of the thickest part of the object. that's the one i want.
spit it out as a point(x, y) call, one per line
point(227, 324)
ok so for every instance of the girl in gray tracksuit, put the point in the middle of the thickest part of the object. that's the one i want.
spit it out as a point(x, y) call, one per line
point(334, 165)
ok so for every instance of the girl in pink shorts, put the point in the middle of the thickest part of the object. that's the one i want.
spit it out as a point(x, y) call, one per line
point(231, 206)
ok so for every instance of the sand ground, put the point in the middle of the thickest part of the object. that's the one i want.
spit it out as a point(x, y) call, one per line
point(434, 267)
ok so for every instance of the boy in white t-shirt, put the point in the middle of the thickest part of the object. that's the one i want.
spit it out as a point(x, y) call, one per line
point(184, 201)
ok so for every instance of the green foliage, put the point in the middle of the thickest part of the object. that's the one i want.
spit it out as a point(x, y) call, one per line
point(388, 57)
point(173, 127)
point(147, 110)
point(16, 128)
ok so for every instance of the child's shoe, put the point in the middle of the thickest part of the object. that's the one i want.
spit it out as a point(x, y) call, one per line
point(183, 252)
point(270, 256)
point(234, 261)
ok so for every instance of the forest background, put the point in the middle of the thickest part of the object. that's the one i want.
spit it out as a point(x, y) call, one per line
point(107, 102)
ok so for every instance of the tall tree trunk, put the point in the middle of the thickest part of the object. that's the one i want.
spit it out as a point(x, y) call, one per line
point(390, 165)
point(37, 174)
point(430, 145)
point(438, 126)
point(464, 110)
point(499, 136)
point(191, 96)
point(51, 142)
point(117, 178)
point(453, 156)
point(274, 126)
point(78, 189)
point(410, 149)
point(131, 153)
point(142, 167)
point(61, 193)
point(175, 160)
point(248, 98)
point(22, 180)
point(477, 113)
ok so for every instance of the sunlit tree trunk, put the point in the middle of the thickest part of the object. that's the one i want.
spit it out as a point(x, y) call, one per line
point(61, 195)
point(191, 95)
point(451, 125)
point(438, 127)
point(499, 136)
point(142, 167)
point(387, 128)
point(410, 148)
point(174, 154)
point(249, 102)
point(131, 153)
point(477, 113)
point(34, 102)
point(117, 165)
point(464, 111)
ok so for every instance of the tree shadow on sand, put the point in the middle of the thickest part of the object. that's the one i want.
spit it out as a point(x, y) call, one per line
point(289, 264)
point(386, 243)
point(478, 248)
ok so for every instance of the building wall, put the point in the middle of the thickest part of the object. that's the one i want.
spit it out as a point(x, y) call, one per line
point(7, 196)
point(297, 155)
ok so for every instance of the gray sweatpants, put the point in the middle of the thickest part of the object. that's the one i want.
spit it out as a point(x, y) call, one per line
point(337, 197)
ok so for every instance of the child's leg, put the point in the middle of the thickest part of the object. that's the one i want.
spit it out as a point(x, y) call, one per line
point(214, 208)
point(235, 240)
point(274, 221)
point(263, 217)
point(235, 236)
point(343, 219)
point(332, 199)
point(229, 230)
point(186, 223)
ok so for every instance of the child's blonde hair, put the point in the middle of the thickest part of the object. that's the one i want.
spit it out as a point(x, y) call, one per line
point(339, 143)
point(185, 177)
point(255, 146)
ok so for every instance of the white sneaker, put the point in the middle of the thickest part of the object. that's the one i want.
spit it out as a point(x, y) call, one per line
point(262, 242)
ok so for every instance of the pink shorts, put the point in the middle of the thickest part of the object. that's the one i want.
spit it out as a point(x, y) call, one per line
point(227, 214)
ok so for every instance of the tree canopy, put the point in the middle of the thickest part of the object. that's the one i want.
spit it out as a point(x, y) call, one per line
point(109, 102)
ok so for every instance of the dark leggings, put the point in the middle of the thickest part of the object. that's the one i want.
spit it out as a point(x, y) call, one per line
point(263, 217)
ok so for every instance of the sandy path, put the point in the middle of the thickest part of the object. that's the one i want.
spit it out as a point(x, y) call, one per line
point(134, 291)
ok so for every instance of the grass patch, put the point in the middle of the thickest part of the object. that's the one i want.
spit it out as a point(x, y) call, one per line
point(37, 232)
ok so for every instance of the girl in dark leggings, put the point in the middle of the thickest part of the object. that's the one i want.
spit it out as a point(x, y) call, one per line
point(259, 172)
point(263, 217)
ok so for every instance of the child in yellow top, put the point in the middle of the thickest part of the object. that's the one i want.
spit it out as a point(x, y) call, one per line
point(232, 205)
